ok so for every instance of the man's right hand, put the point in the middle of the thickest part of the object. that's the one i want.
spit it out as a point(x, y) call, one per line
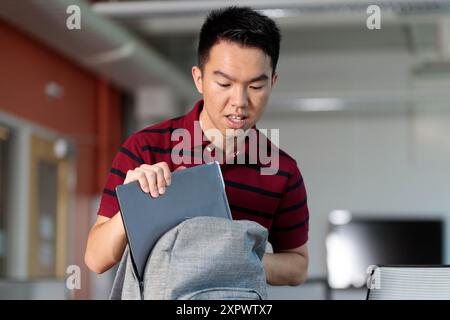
point(107, 238)
point(153, 179)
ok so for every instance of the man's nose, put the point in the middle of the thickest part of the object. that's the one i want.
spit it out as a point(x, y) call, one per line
point(239, 97)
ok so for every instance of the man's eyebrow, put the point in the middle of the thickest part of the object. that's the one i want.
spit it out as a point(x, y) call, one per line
point(258, 78)
point(223, 74)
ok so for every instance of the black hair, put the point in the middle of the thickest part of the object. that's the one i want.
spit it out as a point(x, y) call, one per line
point(241, 25)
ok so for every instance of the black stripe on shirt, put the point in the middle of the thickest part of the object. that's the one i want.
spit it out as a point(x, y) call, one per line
point(253, 212)
point(295, 185)
point(161, 130)
point(156, 149)
point(258, 167)
point(131, 155)
point(283, 173)
point(118, 172)
point(290, 228)
point(253, 189)
point(181, 152)
point(292, 208)
point(109, 192)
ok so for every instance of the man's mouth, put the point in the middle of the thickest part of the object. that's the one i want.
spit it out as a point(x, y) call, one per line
point(236, 121)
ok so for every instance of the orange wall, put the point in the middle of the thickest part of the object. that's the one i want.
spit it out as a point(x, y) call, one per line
point(26, 67)
point(89, 112)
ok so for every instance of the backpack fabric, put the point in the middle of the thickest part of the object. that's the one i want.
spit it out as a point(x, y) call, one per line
point(201, 258)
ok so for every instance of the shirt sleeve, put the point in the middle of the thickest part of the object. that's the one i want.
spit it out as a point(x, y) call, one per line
point(128, 158)
point(291, 221)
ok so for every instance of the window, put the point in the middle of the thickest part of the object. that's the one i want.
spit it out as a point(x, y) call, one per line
point(48, 210)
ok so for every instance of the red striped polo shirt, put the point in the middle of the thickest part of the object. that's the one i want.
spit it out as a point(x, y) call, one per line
point(277, 201)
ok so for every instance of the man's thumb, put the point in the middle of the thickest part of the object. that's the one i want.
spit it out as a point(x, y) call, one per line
point(180, 168)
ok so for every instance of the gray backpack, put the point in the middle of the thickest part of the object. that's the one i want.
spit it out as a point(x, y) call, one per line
point(201, 258)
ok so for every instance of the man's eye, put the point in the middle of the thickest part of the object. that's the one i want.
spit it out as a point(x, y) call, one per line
point(256, 88)
point(223, 85)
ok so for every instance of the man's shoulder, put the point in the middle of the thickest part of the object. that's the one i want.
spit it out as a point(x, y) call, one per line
point(286, 161)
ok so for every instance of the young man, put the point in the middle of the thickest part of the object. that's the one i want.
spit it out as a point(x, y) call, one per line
point(237, 56)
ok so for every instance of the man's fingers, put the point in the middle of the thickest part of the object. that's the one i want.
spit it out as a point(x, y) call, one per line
point(142, 179)
point(155, 178)
point(167, 175)
point(160, 181)
point(151, 178)
point(147, 180)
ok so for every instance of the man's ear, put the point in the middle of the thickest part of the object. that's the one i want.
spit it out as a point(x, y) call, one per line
point(197, 76)
point(274, 78)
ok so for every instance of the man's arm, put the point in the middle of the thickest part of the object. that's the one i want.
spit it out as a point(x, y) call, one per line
point(106, 243)
point(107, 238)
point(287, 267)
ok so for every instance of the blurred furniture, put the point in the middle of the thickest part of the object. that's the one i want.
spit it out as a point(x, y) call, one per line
point(409, 283)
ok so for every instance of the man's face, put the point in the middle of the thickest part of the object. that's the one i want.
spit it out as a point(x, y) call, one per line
point(236, 83)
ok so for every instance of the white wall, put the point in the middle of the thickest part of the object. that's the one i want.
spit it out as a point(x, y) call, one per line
point(343, 71)
point(368, 163)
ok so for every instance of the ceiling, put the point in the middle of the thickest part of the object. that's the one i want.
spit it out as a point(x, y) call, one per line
point(326, 51)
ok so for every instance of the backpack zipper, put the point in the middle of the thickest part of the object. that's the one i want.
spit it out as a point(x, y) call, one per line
point(141, 289)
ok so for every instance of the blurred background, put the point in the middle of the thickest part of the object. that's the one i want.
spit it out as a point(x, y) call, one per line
point(365, 112)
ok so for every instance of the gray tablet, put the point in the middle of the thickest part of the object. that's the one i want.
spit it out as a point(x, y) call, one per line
point(196, 191)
